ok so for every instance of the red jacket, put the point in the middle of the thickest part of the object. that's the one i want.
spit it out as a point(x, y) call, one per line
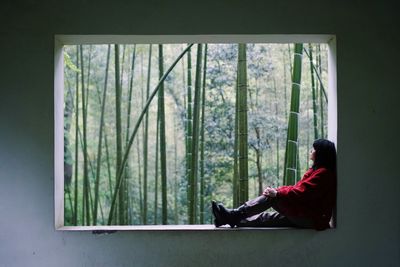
point(314, 197)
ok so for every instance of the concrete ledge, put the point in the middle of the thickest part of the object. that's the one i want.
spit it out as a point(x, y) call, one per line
point(196, 227)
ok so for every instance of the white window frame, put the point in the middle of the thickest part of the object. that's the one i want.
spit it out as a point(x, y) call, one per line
point(61, 40)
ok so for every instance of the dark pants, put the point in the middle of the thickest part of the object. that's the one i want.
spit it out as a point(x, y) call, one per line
point(258, 217)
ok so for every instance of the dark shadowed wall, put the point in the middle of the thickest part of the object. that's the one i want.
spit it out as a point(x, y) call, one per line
point(368, 231)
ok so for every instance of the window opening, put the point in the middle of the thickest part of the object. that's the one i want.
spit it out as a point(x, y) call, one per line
point(152, 132)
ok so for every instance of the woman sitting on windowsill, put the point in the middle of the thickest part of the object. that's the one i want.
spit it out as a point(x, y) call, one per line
point(307, 204)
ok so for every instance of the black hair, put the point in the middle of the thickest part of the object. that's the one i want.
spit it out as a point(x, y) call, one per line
point(325, 154)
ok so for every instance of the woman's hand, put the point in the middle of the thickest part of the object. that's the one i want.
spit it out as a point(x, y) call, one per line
point(270, 192)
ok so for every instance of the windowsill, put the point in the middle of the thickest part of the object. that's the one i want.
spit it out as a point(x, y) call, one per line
point(196, 227)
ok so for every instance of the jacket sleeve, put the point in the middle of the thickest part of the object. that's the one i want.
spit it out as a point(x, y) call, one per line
point(308, 189)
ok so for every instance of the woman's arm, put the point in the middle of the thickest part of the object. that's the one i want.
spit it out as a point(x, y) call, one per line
point(309, 188)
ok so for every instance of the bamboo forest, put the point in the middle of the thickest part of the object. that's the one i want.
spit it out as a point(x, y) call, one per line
point(154, 132)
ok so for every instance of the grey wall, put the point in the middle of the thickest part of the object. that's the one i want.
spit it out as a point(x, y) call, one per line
point(368, 232)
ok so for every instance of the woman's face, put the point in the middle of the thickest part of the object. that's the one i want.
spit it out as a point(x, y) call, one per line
point(312, 154)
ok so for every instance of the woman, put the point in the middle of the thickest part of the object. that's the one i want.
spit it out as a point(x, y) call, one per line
point(307, 204)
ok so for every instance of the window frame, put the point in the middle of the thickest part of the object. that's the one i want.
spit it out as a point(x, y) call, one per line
point(61, 40)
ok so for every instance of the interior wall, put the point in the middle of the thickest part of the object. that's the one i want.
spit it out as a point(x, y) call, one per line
point(368, 216)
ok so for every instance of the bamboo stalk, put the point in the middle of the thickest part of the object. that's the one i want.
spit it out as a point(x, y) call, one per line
point(108, 162)
point(195, 136)
point(100, 101)
point(75, 219)
point(163, 150)
point(118, 134)
point(189, 124)
point(128, 117)
point(291, 162)
point(99, 148)
point(128, 120)
point(236, 148)
point(92, 172)
point(285, 83)
point(242, 123)
point(85, 161)
point(139, 178)
point(175, 174)
point(323, 91)
point(277, 132)
point(318, 77)
point(156, 171)
point(145, 142)
point(68, 109)
point(257, 148)
point(88, 76)
point(122, 67)
point(140, 118)
point(203, 105)
point(310, 55)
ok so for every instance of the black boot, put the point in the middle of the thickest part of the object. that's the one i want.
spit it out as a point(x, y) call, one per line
point(224, 216)
point(232, 216)
point(219, 220)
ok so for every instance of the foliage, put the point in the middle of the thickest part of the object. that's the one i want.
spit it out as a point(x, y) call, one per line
point(98, 178)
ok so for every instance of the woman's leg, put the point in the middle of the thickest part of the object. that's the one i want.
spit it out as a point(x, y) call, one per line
point(266, 219)
point(301, 222)
point(258, 205)
point(248, 209)
point(252, 214)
